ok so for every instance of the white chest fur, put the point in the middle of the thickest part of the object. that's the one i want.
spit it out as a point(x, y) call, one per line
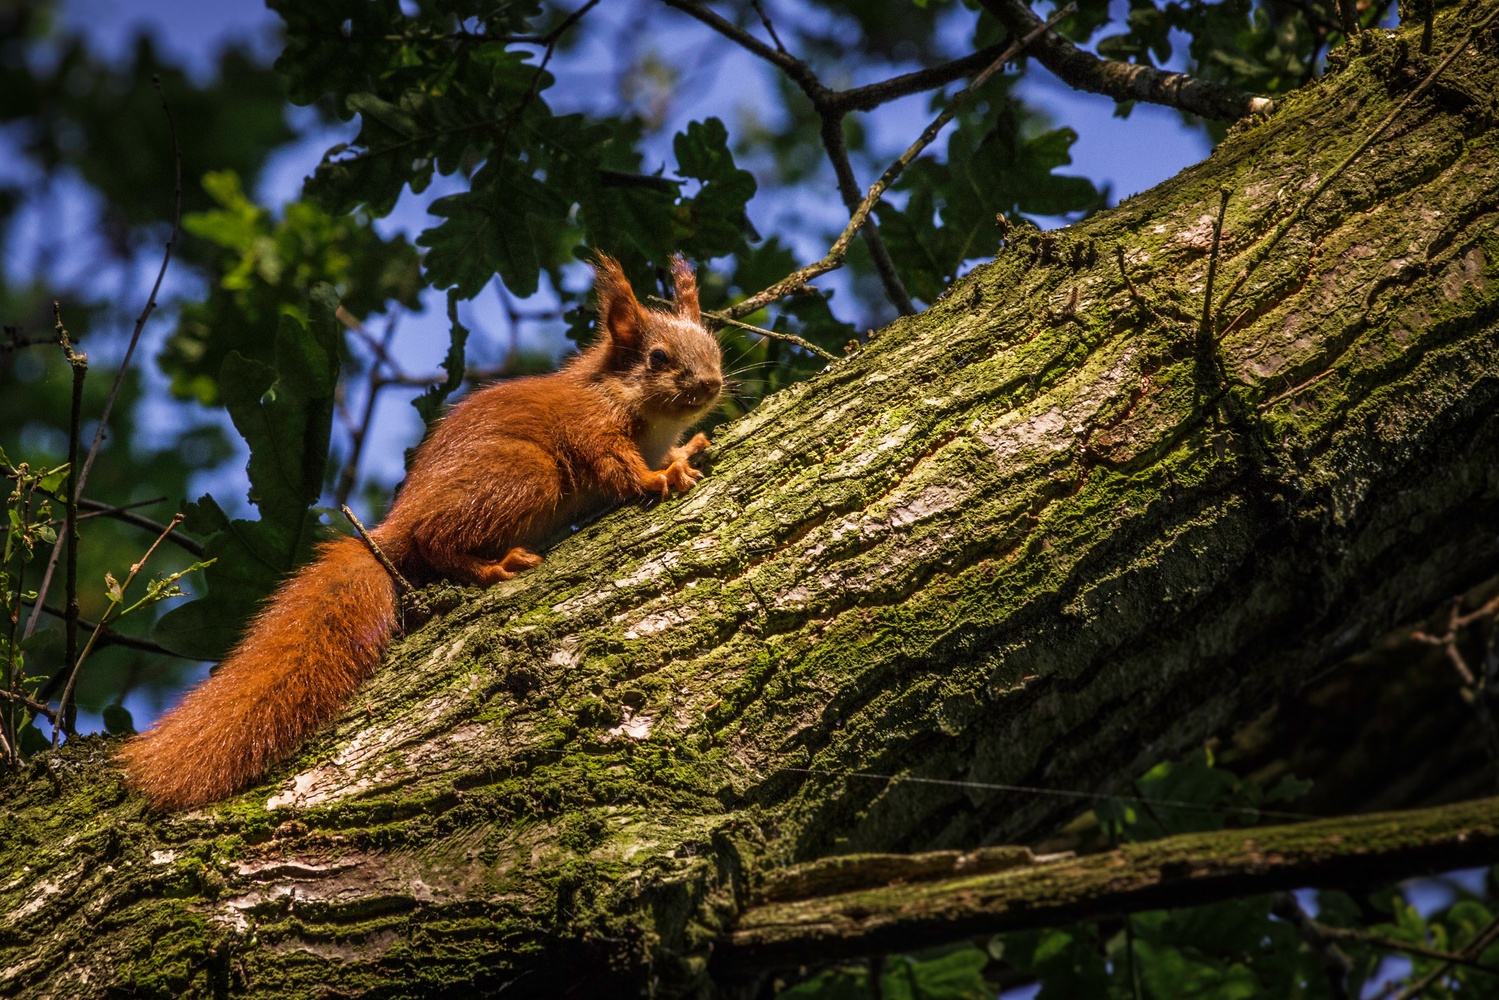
point(657, 438)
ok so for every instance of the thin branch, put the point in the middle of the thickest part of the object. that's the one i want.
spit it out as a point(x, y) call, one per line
point(1387, 943)
point(1128, 81)
point(135, 336)
point(112, 638)
point(555, 35)
point(14, 341)
point(93, 639)
point(832, 138)
point(871, 96)
point(402, 584)
point(835, 256)
point(1335, 961)
point(848, 187)
point(79, 364)
point(790, 337)
point(359, 432)
point(770, 29)
point(551, 47)
point(1473, 685)
point(125, 515)
point(1475, 948)
point(793, 67)
point(45, 711)
point(150, 306)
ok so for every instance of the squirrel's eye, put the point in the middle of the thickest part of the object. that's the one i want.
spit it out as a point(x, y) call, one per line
point(659, 358)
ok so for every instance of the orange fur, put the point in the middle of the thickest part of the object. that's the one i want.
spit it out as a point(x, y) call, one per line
point(507, 471)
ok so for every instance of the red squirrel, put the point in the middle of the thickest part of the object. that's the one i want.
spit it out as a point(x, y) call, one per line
point(501, 475)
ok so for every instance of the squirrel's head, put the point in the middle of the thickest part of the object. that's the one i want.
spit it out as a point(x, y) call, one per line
point(672, 364)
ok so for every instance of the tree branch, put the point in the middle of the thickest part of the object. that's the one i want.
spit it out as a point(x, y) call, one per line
point(125, 515)
point(800, 73)
point(109, 637)
point(76, 476)
point(834, 258)
point(1127, 81)
point(871, 96)
point(1187, 870)
point(848, 187)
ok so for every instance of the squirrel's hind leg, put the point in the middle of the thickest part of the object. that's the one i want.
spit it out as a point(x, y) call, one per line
point(470, 514)
point(478, 571)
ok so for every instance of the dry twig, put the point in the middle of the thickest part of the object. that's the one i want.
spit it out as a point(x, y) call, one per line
point(835, 256)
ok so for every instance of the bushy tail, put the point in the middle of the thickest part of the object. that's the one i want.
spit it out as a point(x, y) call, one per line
point(304, 655)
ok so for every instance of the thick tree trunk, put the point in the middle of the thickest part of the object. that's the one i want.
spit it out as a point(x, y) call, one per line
point(1043, 534)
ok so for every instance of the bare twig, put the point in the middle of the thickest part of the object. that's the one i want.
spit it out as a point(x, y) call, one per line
point(871, 96)
point(1127, 81)
point(359, 432)
point(113, 638)
point(549, 38)
point(552, 38)
point(150, 306)
point(1394, 944)
point(1335, 961)
point(14, 341)
point(831, 116)
point(45, 711)
point(1263, 250)
point(1473, 685)
point(1475, 948)
point(79, 364)
point(81, 476)
point(125, 515)
point(835, 256)
point(800, 72)
point(769, 28)
point(93, 639)
point(848, 187)
point(402, 584)
point(790, 337)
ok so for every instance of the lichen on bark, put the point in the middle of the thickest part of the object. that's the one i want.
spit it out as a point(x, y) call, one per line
point(1032, 536)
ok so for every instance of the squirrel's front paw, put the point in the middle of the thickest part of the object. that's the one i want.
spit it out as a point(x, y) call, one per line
point(677, 476)
point(696, 446)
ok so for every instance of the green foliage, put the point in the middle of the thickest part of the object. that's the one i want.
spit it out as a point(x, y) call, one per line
point(1189, 797)
point(714, 221)
point(493, 229)
point(951, 973)
point(265, 268)
point(429, 404)
point(998, 163)
point(27, 530)
point(106, 122)
point(285, 413)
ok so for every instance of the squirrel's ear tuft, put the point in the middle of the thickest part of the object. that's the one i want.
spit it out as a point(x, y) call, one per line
point(619, 313)
point(684, 289)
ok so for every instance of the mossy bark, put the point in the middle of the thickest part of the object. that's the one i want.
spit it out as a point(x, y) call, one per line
point(1038, 535)
point(908, 901)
